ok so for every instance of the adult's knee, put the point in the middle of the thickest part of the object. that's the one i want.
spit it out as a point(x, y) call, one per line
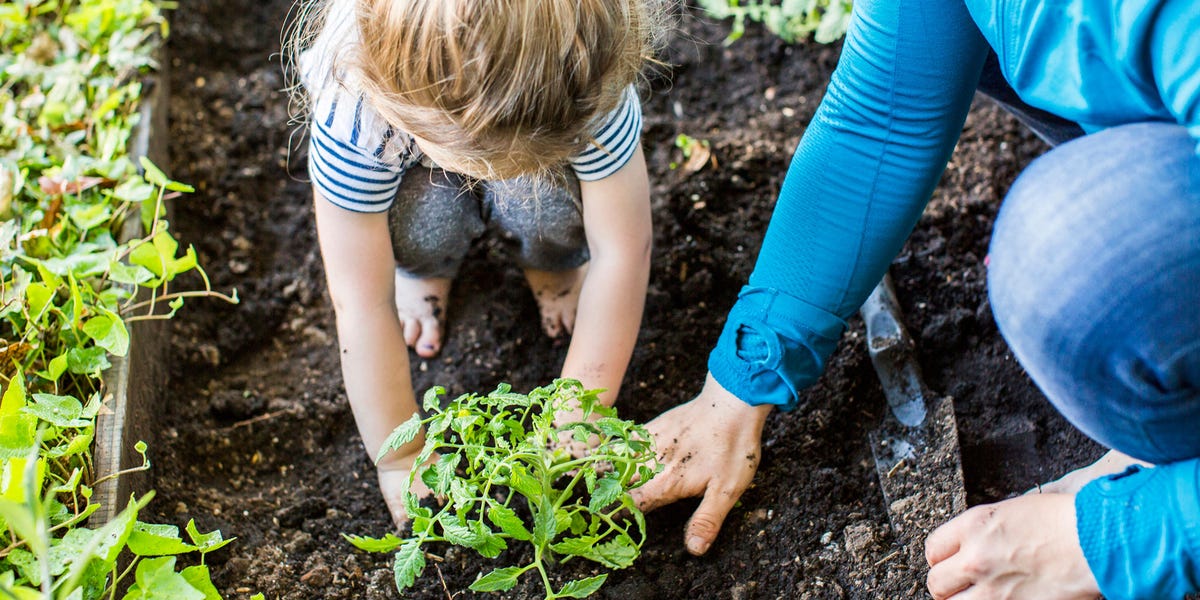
point(1094, 273)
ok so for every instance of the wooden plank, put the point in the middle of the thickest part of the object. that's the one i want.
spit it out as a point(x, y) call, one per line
point(135, 381)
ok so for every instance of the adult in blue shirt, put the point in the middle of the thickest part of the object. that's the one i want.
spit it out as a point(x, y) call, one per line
point(1094, 279)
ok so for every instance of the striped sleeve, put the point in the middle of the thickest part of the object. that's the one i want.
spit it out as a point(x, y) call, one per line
point(614, 142)
point(346, 155)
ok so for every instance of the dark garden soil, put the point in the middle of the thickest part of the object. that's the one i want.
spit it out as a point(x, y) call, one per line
point(256, 437)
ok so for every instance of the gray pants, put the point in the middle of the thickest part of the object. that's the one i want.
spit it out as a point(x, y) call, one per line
point(438, 214)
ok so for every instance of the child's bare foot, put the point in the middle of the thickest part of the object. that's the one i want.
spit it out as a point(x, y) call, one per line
point(557, 295)
point(421, 304)
point(1071, 483)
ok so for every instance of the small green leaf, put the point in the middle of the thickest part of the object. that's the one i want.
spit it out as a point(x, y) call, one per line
point(156, 540)
point(155, 176)
point(445, 469)
point(459, 533)
point(200, 578)
point(525, 484)
point(157, 580)
point(386, 543)
point(499, 580)
point(63, 411)
point(14, 396)
point(133, 190)
point(489, 545)
point(545, 526)
point(608, 490)
point(87, 361)
point(507, 520)
point(432, 400)
point(616, 553)
point(109, 332)
point(576, 546)
point(205, 542)
point(55, 368)
point(410, 561)
point(400, 436)
point(582, 588)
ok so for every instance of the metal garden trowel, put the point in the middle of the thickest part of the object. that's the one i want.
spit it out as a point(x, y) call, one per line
point(916, 444)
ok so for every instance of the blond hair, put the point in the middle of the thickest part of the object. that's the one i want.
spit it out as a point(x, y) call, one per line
point(503, 87)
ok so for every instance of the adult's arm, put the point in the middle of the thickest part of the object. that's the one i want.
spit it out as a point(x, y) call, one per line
point(858, 182)
point(863, 172)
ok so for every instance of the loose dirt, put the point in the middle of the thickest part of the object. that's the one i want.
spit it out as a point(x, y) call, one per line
point(256, 437)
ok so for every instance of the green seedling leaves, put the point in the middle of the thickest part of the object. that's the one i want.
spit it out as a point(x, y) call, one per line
point(87, 361)
point(581, 588)
point(497, 463)
point(109, 332)
point(499, 580)
point(158, 580)
point(386, 543)
point(608, 490)
point(157, 540)
point(507, 520)
point(410, 561)
point(158, 257)
point(400, 436)
point(63, 411)
point(200, 579)
point(155, 176)
point(204, 542)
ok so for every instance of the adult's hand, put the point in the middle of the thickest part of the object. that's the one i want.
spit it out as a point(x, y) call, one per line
point(709, 447)
point(1024, 547)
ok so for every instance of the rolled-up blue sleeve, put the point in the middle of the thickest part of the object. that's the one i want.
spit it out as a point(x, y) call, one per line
point(862, 174)
point(1140, 531)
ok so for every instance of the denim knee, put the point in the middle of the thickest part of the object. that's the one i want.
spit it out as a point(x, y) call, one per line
point(540, 220)
point(433, 221)
point(1094, 279)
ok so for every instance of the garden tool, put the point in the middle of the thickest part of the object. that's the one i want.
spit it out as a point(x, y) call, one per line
point(916, 444)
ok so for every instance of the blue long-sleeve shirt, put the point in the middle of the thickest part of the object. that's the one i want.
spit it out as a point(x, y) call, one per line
point(875, 149)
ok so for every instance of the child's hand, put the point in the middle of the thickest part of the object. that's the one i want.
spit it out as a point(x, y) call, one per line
point(566, 440)
point(393, 483)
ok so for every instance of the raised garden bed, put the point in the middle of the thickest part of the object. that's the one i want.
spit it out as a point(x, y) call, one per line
point(259, 441)
point(87, 263)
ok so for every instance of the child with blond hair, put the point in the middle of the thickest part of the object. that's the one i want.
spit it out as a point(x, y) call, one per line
point(432, 120)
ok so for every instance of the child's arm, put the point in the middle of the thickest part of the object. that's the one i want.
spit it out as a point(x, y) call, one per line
point(360, 270)
point(616, 217)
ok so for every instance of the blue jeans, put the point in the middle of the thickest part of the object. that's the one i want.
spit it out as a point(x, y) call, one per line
point(1094, 279)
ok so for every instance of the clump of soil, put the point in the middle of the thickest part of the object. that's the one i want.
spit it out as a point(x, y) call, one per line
point(257, 439)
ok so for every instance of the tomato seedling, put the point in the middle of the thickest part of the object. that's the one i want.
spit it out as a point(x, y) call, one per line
point(502, 464)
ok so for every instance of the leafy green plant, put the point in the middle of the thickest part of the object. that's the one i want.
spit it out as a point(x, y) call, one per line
point(791, 20)
point(502, 465)
point(70, 275)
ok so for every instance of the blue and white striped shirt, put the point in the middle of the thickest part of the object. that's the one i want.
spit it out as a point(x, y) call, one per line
point(356, 159)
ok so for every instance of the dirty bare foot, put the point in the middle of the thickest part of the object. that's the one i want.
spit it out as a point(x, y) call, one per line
point(421, 304)
point(557, 294)
point(1071, 483)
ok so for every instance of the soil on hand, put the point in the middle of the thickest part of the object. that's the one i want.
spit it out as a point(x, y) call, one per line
point(257, 439)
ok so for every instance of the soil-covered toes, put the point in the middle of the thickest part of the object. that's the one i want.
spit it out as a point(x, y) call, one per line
point(421, 305)
point(557, 295)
